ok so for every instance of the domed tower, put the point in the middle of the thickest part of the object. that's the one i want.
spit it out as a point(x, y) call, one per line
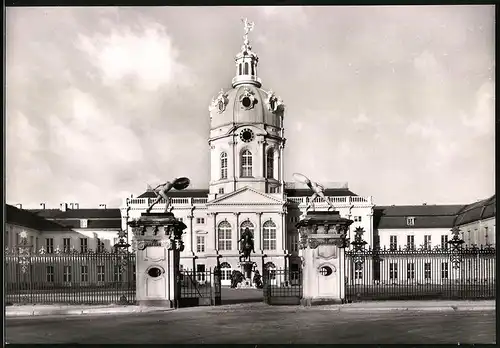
point(246, 131)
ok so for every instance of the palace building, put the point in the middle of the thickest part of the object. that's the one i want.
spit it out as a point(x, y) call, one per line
point(247, 190)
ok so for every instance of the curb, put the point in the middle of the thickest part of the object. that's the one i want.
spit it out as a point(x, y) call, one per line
point(89, 311)
point(412, 309)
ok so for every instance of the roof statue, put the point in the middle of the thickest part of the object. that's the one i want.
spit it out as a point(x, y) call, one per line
point(248, 27)
point(318, 190)
point(162, 190)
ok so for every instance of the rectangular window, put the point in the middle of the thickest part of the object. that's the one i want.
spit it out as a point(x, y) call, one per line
point(200, 244)
point(67, 245)
point(100, 245)
point(410, 221)
point(393, 243)
point(357, 219)
point(410, 242)
point(49, 244)
point(200, 272)
point(83, 223)
point(393, 271)
point(269, 242)
point(444, 270)
point(50, 274)
point(117, 277)
point(84, 273)
point(100, 273)
point(427, 270)
point(358, 270)
point(410, 271)
point(84, 245)
point(200, 220)
point(444, 242)
point(294, 243)
point(274, 189)
point(427, 242)
point(67, 274)
point(221, 190)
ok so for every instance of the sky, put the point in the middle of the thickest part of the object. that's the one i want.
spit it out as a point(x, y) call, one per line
point(396, 101)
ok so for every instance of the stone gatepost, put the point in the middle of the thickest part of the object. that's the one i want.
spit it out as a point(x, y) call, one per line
point(158, 243)
point(322, 243)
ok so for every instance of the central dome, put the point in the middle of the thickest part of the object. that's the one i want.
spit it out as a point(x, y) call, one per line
point(246, 104)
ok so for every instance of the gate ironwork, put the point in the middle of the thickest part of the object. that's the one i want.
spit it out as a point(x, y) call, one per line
point(69, 276)
point(199, 288)
point(453, 271)
point(282, 287)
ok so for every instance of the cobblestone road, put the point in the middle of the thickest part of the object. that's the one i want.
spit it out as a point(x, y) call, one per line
point(259, 324)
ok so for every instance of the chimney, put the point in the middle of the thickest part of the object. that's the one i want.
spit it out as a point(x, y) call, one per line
point(63, 206)
point(102, 206)
point(71, 206)
point(76, 205)
point(19, 206)
point(424, 203)
point(42, 206)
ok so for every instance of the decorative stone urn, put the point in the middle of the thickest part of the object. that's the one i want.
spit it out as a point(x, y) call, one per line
point(323, 238)
point(158, 243)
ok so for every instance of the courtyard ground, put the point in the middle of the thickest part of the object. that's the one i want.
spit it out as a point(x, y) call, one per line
point(257, 323)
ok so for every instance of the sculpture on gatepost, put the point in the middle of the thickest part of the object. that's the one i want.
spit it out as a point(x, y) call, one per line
point(247, 244)
point(318, 190)
point(162, 190)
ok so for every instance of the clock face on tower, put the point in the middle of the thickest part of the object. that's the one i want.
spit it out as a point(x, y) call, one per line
point(247, 135)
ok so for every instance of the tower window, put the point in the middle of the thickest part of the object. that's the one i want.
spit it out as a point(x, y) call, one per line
point(270, 164)
point(253, 70)
point(246, 164)
point(239, 69)
point(223, 165)
point(246, 68)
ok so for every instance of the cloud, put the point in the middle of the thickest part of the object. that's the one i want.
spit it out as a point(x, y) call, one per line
point(292, 15)
point(482, 119)
point(361, 118)
point(147, 56)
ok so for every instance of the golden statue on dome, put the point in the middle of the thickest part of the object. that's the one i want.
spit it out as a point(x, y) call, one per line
point(248, 27)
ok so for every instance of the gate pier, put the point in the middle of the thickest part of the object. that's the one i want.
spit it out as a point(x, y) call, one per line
point(322, 243)
point(158, 243)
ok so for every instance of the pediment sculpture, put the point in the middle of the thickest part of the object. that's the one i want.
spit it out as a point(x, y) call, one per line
point(219, 103)
point(273, 102)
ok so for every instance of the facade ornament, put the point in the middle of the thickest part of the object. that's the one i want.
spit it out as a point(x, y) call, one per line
point(219, 103)
point(166, 243)
point(273, 102)
point(247, 99)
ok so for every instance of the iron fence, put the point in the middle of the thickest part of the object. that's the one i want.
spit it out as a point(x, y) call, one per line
point(282, 286)
point(199, 287)
point(420, 274)
point(69, 278)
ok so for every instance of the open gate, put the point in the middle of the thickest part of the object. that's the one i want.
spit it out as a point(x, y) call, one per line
point(282, 287)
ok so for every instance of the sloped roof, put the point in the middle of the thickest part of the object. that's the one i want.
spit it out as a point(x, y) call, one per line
point(426, 216)
point(477, 211)
point(92, 224)
point(78, 213)
point(28, 219)
point(196, 193)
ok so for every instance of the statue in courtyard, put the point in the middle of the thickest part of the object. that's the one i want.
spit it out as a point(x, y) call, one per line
point(247, 245)
point(317, 189)
point(162, 190)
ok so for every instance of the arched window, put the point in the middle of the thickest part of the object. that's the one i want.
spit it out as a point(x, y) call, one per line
point(244, 225)
point(239, 69)
point(246, 68)
point(269, 235)
point(223, 165)
point(246, 164)
point(224, 235)
point(225, 269)
point(270, 164)
point(253, 70)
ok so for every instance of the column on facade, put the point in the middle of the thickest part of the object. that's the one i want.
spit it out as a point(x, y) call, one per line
point(281, 167)
point(237, 216)
point(190, 233)
point(232, 145)
point(214, 217)
point(283, 231)
point(264, 158)
point(259, 232)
